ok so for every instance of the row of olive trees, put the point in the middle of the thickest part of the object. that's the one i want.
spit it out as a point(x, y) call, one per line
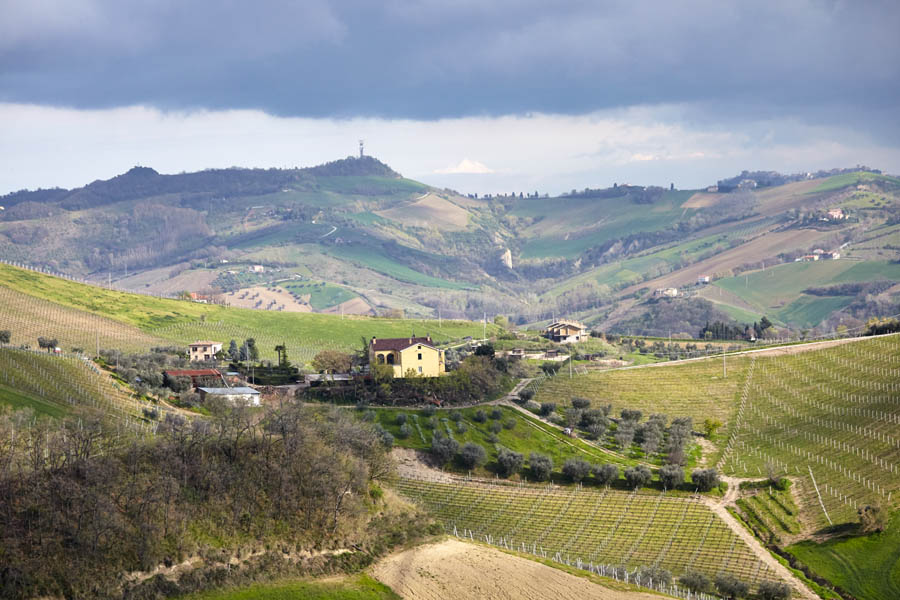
point(729, 586)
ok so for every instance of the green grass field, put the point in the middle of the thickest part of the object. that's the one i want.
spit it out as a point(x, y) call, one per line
point(322, 295)
point(376, 261)
point(610, 527)
point(358, 587)
point(76, 313)
point(778, 291)
point(847, 179)
point(19, 400)
point(867, 566)
point(563, 233)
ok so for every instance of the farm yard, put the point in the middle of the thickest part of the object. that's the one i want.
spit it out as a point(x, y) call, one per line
point(607, 529)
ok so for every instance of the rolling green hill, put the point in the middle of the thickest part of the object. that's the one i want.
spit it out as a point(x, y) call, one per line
point(85, 316)
point(399, 244)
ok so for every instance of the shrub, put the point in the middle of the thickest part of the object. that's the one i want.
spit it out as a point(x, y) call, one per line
point(581, 403)
point(480, 417)
point(872, 518)
point(401, 418)
point(595, 432)
point(696, 582)
point(541, 466)
point(594, 416)
point(656, 574)
point(532, 406)
point(510, 423)
point(461, 427)
point(509, 462)
point(573, 417)
point(369, 416)
point(576, 469)
point(624, 434)
point(443, 448)
point(632, 415)
point(495, 427)
point(496, 414)
point(526, 395)
point(547, 408)
point(773, 590)
point(472, 455)
point(671, 476)
point(731, 587)
point(705, 479)
point(429, 411)
point(606, 474)
point(638, 476)
point(405, 431)
point(456, 416)
point(556, 419)
point(492, 438)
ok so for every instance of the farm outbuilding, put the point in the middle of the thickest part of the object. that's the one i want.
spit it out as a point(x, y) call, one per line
point(236, 395)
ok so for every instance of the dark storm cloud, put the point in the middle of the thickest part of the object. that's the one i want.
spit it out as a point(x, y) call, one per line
point(435, 58)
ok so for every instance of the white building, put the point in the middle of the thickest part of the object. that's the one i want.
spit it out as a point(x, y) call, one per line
point(236, 395)
point(204, 350)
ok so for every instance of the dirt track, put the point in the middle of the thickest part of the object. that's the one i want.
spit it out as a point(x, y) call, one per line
point(455, 569)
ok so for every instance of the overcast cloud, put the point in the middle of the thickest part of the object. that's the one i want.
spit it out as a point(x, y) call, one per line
point(680, 88)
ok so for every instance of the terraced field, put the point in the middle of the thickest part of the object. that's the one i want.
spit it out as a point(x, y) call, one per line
point(608, 527)
point(830, 418)
point(55, 385)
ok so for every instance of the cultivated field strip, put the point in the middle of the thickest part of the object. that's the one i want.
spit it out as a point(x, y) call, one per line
point(830, 417)
point(71, 381)
point(697, 389)
point(28, 318)
point(610, 527)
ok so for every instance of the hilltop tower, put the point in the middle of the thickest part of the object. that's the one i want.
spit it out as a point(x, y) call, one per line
point(361, 145)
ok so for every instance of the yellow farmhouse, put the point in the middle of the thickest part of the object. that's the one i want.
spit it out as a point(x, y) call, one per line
point(416, 354)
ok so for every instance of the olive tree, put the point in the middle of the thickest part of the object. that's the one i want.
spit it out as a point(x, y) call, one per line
point(540, 465)
point(509, 462)
point(638, 476)
point(472, 455)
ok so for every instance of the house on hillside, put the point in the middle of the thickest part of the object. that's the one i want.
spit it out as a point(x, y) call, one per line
point(703, 279)
point(416, 354)
point(836, 214)
point(257, 269)
point(566, 332)
point(204, 350)
point(712, 189)
point(236, 395)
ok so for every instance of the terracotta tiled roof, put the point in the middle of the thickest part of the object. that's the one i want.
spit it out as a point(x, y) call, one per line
point(205, 343)
point(398, 344)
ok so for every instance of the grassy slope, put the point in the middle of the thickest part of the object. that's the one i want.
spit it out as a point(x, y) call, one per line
point(555, 234)
point(182, 322)
point(529, 435)
point(321, 295)
point(17, 400)
point(778, 291)
point(359, 587)
point(694, 389)
point(373, 259)
point(847, 179)
point(868, 567)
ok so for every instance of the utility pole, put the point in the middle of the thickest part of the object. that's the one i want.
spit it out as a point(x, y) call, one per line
point(484, 327)
point(724, 368)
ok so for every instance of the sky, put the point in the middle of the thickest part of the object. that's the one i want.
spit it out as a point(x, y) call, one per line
point(478, 96)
